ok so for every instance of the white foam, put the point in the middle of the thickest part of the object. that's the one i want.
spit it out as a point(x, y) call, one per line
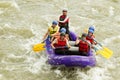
point(37, 66)
point(14, 56)
point(14, 4)
point(8, 4)
point(109, 40)
point(94, 11)
point(1, 12)
point(1, 76)
point(58, 72)
point(111, 11)
point(95, 73)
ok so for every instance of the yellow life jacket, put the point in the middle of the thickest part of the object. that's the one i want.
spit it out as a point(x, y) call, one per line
point(53, 30)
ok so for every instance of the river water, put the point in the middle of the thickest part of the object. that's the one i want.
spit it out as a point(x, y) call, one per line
point(24, 22)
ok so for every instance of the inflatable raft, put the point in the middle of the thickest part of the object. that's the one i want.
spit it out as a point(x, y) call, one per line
point(69, 60)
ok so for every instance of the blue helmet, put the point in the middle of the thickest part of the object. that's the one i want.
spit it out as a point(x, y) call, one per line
point(92, 28)
point(55, 22)
point(91, 31)
point(63, 30)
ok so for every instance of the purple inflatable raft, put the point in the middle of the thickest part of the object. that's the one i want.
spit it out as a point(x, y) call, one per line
point(69, 60)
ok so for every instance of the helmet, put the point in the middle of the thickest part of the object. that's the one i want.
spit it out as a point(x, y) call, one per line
point(92, 28)
point(64, 10)
point(84, 34)
point(63, 30)
point(62, 34)
point(55, 22)
point(91, 31)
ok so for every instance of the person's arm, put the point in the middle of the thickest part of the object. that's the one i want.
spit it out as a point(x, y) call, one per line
point(68, 45)
point(95, 41)
point(64, 20)
point(77, 41)
point(46, 34)
point(52, 44)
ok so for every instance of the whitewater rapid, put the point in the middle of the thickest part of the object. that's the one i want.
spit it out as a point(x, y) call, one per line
point(24, 22)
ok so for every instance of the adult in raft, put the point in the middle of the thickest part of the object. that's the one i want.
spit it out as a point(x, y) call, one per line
point(90, 36)
point(60, 44)
point(64, 21)
point(57, 35)
point(52, 30)
point(83, 44)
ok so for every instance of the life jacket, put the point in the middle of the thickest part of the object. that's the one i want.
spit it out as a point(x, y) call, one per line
point(90, 38)
point(62, 18)
point(52, 30)
point(83, 46)
point(61, 43)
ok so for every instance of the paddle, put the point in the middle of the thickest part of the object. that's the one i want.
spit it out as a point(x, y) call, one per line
point(104, 51)
point(39, 47)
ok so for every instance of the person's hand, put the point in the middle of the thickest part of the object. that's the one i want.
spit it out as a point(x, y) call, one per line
point(53, 47)
point(69, 46)
point(43, 39)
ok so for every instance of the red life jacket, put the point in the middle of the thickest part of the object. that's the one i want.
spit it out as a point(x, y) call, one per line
point(83, 46)
point(62, 17)
point(90, 38)
point(60, 43)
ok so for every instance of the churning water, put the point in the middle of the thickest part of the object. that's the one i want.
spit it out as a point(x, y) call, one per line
point(24, 22)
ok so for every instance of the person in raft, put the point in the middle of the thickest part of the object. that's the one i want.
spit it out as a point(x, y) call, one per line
point(83, 44)
point(90, 36)
point(57, 35)
point(52, 30)
point(64, 21)
point(60, 45)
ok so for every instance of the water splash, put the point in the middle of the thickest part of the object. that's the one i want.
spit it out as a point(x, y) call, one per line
point(111, 11)
point(8, 4)
point(109, 40)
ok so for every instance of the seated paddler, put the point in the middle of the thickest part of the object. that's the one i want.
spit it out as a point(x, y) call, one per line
point(52, 30)
point(83, 44)
point(60, 44)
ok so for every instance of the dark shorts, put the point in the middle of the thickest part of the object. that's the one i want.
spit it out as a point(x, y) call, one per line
point(61, 51)
point(66, 27)
point(66, 51)
point(84, 53)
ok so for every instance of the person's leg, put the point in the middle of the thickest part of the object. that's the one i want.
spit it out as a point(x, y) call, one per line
point(84, 53)
point(61, 51)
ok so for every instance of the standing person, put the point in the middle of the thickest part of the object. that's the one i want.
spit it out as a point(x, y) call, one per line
point(64, 21)
point(52, 30)
point(84, 45)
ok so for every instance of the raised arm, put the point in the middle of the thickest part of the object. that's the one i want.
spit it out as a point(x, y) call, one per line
point(64, 20)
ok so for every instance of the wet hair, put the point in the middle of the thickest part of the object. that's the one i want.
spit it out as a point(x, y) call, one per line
point(62, 34)
point(84, 35)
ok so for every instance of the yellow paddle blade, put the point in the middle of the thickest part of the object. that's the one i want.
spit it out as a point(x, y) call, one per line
point(108, 50)
point(104, 53)
point(38, 47)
